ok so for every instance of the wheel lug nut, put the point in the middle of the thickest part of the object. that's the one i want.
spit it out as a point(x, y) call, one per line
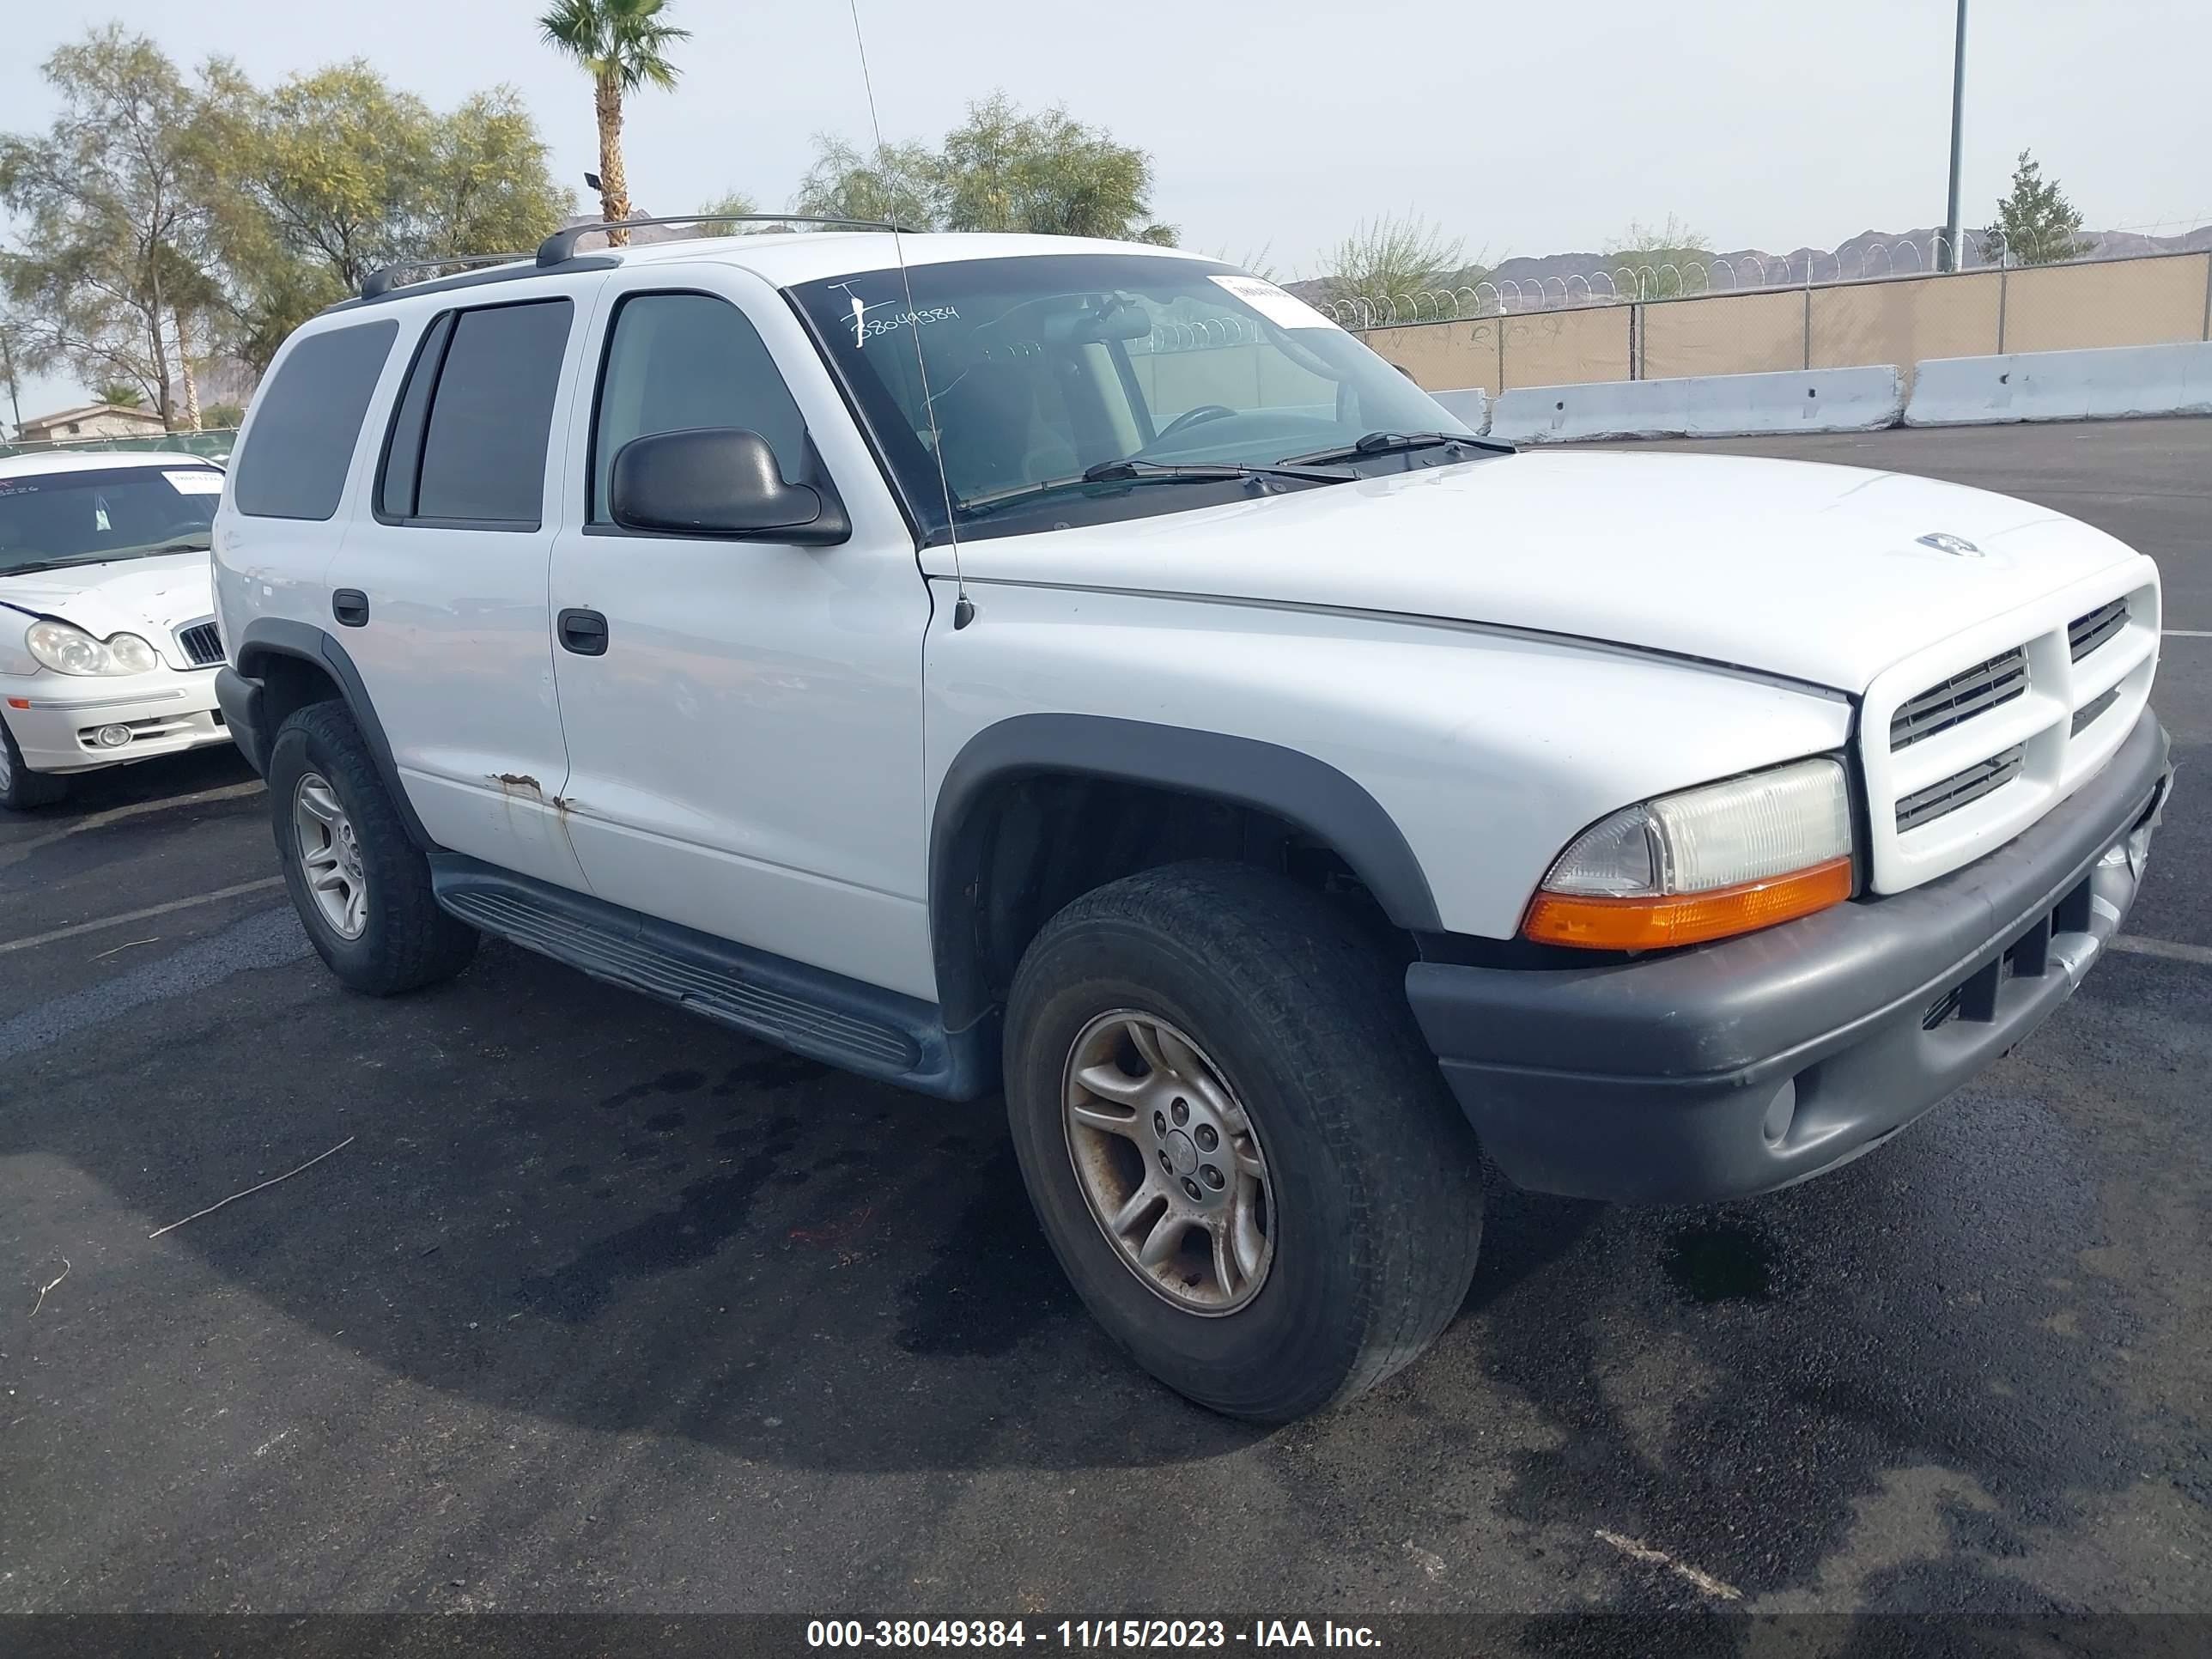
point(1159, 1124)
point(1206, 1138)
point(1165, 1164)
point(1212, 1176)
point(1191, 1187)
point(1182, 1110)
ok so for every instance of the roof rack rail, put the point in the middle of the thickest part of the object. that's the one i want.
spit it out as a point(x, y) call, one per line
point(561, 246)
point(385, 278)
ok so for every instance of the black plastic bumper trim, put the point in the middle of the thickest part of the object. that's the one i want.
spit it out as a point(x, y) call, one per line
point(1660, 1080)
point(240, 699)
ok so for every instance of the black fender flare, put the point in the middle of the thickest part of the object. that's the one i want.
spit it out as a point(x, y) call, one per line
point(1286, 782)
point(268, 637)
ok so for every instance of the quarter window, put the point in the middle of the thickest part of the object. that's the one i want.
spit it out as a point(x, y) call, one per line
point(679, 360)
point(294, 462)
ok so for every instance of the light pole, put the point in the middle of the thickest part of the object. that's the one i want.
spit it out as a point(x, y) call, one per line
point(1947, 255)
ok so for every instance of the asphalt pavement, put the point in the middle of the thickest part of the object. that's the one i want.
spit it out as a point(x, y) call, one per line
point(600, 1307)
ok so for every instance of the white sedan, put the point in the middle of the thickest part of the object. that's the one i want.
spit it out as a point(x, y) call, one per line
point(108, 644)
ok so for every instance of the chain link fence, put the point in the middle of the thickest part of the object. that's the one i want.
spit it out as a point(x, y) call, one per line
point(214, 446)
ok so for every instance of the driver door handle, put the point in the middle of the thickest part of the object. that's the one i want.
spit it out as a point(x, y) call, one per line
point(584, 632)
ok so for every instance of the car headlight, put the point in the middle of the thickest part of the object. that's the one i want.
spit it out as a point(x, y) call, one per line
point(68, 650)
point(1722, 858)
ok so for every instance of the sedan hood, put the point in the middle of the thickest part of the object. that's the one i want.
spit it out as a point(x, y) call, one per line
point(149, 596)
point(1816, 573)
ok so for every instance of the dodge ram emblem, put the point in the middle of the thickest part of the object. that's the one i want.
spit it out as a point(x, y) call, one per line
point(1943, 542)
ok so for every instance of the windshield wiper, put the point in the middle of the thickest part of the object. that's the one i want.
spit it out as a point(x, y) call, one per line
point(1397, 443)
point(1132, 471)
point(50, 564)
point(195, 544)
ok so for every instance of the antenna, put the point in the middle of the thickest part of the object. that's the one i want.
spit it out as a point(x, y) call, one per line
point(963, 609)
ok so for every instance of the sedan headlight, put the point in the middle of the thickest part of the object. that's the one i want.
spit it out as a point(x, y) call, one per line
point(1709, 862)
point(68, 650)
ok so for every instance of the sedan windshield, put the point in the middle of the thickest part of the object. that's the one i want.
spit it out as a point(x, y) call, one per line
point(1045, 374)
point(53, 519)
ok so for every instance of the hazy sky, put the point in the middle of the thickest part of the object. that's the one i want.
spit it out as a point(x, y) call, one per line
point(1528, 129)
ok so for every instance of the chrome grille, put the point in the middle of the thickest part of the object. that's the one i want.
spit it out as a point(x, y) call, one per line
point(2085, 633)
point(1960, 788)
point(1969, 692)
point(201, 643)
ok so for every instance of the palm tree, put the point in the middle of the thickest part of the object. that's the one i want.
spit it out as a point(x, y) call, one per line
point(622, 45)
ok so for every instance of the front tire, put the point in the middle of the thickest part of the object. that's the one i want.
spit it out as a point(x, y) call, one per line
point(21, 788)
point(1211, 1052)
point(359, 882)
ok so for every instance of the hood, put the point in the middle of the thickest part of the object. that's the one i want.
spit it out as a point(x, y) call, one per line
point(148, 596)
point(1788, 568)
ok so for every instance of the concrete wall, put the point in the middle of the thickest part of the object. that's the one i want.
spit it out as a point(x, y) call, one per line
point(2111, 302)
point(1703, 406)
point(2103, 382)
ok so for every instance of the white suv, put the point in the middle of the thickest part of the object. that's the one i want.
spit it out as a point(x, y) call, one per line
point(1004, 662)
point(107, 635)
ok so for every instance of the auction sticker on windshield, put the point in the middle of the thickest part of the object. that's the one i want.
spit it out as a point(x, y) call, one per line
point(1282, 308)
point(195, 481)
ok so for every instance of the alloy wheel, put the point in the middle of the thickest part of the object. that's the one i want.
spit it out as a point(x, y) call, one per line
point(329, 857)
point(1168, 1162)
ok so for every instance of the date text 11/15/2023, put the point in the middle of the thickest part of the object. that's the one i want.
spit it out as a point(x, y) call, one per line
point(1083, 1634)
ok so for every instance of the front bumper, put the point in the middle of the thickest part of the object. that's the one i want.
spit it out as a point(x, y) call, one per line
point(57, 723)
point(1746, 1065)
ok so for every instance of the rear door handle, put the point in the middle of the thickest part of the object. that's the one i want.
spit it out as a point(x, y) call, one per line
point(584, 632)
point(350, 606)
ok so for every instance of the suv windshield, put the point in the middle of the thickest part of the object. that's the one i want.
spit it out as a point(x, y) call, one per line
point(1044, 368)
point(52, 519)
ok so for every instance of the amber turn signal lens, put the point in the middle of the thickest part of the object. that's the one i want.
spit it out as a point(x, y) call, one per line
point(1655, 924)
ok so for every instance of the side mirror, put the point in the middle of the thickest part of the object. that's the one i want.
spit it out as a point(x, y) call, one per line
point(719, 481)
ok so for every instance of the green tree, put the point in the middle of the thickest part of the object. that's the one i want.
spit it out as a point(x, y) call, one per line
point(895, 184)
point(338, 174)
point(622, 45)
point(1658, 264)
point(223, 417)
point(1001, 168)
point(1389, 258)
point(113, 207)
point(729, 201)
point(121, 393)
point(2035, 223)
point(1048, 174)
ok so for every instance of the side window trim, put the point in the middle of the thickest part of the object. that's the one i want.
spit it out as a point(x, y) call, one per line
point(439, 336)
point(408, 426)
point(617, 303)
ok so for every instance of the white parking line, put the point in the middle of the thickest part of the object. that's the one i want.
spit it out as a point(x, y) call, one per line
point(15, 851)
point(2187, 632)
point(219, 893)
point(2199, 954)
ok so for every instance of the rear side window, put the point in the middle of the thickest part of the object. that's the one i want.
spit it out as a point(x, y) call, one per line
point(468, 435)
point(292, 464)
point(678, 360)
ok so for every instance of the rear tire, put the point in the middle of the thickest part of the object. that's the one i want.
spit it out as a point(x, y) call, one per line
point(359, 882)
point(1273, 1014)
point(21, 788)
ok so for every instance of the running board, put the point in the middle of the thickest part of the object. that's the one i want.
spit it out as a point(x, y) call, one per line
point(826, 1016)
